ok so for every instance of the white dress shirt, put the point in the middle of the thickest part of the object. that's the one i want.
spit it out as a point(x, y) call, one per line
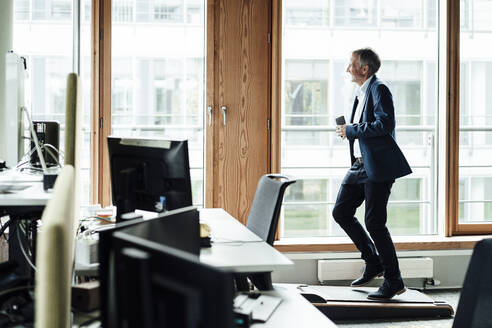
point(361, 95)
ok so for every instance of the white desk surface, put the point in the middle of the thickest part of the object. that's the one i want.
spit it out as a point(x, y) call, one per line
point(236, 248)
point(294, 311)
point(245, 257)
point(31, 196)
point(224, 228)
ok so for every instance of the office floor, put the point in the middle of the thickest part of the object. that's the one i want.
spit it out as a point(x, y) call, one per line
point(450, 296)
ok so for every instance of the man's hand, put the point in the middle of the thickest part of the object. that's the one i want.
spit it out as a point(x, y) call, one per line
point(341, 131)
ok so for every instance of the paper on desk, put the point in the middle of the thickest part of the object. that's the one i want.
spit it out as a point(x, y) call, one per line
point(13, 176)
point(11, 187)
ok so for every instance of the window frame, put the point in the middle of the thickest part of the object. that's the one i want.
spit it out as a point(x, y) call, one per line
point(452, 226)
point(101, 101)
point(453, 65)
point(101, 114)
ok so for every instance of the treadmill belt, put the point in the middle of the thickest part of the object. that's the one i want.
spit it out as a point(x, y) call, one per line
point(359, 294)
point(341, 303)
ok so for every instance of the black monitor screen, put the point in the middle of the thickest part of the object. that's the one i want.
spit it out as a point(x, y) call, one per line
point(160, 286)
point(149, 174)
point(179, 229)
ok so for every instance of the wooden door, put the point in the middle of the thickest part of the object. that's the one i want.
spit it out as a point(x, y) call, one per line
point(241, 84)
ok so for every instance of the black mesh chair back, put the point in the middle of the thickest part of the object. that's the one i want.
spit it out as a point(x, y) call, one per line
point(475, 305)
point(265, 210)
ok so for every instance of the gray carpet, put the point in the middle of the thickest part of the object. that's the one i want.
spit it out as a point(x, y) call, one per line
point(450, 296)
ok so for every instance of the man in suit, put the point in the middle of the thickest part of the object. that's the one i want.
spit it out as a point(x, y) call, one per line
point(376, 162)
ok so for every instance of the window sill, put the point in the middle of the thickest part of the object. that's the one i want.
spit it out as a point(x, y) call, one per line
point(402, 243)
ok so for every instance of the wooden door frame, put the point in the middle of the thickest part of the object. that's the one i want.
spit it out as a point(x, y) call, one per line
point(452, 114)
point(211, 25)
point(276, 87)
point(101, 101)
point(213, 98)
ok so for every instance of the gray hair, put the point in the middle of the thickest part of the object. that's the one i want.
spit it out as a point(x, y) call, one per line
point(368, 57)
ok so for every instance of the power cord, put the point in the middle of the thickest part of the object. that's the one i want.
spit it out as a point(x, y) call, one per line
point(4, 227)
point(21, 246)
point(47, 148)
point(15, 289)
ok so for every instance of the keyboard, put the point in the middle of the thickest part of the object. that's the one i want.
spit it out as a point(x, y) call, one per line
point(259, 306)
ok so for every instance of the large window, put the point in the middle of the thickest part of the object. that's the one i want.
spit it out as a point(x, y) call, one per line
point(43, 33)
point(158, 74)
point(318, 38)
point(159, 11)
point(475, 161)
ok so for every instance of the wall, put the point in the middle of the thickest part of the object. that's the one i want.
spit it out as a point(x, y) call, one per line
point(6, 12)
point(449, 267)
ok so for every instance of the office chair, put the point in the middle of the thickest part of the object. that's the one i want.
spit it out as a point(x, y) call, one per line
point(54, 255)
point(263, 221)
point(475, 301)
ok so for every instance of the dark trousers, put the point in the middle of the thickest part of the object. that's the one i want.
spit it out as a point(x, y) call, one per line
point(355, 189)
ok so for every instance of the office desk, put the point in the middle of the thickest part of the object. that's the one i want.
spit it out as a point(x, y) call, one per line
point(240, 250)
point(245, 257)
point(28, 205)
point(225, 228)
point(236, 248)
point(33, 196)
point(294, 311)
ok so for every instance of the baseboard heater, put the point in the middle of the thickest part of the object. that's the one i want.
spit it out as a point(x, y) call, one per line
point(350, 269)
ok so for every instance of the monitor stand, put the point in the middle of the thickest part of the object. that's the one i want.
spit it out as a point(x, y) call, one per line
point(261, 280)
point(126, 203)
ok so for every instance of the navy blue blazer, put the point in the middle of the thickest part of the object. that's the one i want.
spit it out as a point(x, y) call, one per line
point(383, 159)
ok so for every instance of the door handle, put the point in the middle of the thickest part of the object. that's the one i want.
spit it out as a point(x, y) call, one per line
point(224, 110)
point(209, 109)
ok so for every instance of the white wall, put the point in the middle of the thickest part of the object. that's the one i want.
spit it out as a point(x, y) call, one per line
point(449, 268)
point(6, 13)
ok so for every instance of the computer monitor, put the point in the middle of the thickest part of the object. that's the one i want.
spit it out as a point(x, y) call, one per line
point(12, 129)
point(475, 300)
point(179, 229)
point(161, 286)
point(149, 174)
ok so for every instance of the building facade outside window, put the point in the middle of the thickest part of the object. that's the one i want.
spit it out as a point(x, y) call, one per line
point(158, 87)
point(158, 75)
point(316, 89)
point(475, 161)
point(43, 34)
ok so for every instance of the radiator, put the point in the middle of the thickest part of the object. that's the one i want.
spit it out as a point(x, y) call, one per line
point(349, 269)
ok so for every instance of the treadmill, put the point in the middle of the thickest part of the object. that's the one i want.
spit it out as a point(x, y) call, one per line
point(352, 303)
